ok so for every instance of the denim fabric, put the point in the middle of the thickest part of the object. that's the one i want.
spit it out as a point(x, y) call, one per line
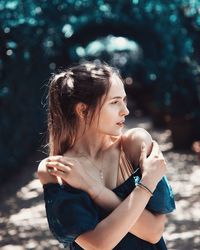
point(71, 212)
point(162, 200)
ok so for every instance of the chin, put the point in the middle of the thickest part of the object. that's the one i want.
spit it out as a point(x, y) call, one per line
point(116, 133)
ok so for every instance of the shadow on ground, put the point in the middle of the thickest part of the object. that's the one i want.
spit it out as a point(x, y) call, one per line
point(23, 223)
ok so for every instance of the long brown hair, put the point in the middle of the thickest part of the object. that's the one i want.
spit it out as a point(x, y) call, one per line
point(86, 83)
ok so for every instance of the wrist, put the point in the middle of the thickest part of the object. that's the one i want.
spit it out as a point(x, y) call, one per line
point(145, 188)
point(93, 188)
point(149, 183)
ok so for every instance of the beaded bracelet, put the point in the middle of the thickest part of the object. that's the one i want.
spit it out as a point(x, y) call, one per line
point(139, 184)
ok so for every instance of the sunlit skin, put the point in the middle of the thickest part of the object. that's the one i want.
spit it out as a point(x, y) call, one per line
point(98, 143)
point(107, 123)
point(114, 110)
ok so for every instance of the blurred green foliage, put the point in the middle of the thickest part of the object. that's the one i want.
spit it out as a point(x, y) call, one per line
point(38, 36)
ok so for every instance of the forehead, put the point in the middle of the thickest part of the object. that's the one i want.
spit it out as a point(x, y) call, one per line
point(116, 87)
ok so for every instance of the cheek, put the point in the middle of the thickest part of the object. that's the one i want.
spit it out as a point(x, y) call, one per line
point(108, 119)
point(108, 114)
point(104, 119)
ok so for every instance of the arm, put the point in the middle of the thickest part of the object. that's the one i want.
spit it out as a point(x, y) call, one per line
point(130, 209)
point(143, 226)
point(132, 141)
point(135, 194)
point(109, 200)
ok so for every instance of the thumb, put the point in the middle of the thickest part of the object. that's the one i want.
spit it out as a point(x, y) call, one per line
point(143, 154)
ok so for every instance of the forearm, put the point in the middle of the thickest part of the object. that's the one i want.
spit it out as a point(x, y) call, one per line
point(104, 197)
point(109, 201)
point(149, 227)
point(130, 210)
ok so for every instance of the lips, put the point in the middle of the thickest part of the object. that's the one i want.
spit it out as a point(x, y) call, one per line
point(121, 123)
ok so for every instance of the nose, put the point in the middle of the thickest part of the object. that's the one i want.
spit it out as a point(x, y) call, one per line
point(124, 110)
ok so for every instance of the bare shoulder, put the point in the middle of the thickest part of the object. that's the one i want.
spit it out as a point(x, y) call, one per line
point(132, 140)
point(43, 175)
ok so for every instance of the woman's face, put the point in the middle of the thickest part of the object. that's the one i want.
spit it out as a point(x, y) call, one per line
point(110, 120)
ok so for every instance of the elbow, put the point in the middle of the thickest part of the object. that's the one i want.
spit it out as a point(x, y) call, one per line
point(100, 246)
point(158, 231)
point(155, 239)
point(104, 245)
point(90, 241)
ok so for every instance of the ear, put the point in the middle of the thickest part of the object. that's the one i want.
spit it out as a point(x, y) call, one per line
point(81, 110)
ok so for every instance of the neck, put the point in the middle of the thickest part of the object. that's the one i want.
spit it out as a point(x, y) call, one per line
point(92, 144)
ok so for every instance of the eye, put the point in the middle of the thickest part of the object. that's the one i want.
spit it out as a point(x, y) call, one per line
point(114, 102)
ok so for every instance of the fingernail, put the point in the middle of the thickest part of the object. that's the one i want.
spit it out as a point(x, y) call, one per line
point(50, 170)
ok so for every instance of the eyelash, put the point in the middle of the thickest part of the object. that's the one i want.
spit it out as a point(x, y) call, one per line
point(115, 102)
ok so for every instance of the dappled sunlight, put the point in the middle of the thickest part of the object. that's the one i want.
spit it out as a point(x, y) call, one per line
point(184, 238)
point(30, 191)
point(23, 214)
point(156, 47)
point(23, 217)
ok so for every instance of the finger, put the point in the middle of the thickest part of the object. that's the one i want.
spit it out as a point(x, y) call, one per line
point(155, 150)
point(54, 171)
point(66, 161)
point(143, 154)
point(61, 159)
point(58, 173)
point(59, 166)
point(54, 158)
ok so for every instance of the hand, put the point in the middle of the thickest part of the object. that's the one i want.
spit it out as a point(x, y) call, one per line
point(70, 171)
point(154, 167)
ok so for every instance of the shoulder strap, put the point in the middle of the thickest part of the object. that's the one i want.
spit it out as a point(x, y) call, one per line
point(125, 165)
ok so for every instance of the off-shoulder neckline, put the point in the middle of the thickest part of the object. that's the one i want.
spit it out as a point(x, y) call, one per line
point(51, 184)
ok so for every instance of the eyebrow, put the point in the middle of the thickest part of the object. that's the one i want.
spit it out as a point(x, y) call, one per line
point(118, 97)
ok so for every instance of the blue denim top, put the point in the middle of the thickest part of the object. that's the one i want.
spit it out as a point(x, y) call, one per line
point(71, 212)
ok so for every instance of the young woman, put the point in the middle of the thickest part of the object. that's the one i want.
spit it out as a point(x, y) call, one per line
point(92, 196)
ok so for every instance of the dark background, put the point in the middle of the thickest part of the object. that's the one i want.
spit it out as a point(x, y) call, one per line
point(155, 44)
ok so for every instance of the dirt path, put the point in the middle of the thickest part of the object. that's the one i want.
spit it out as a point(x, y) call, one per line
point(22, 216)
